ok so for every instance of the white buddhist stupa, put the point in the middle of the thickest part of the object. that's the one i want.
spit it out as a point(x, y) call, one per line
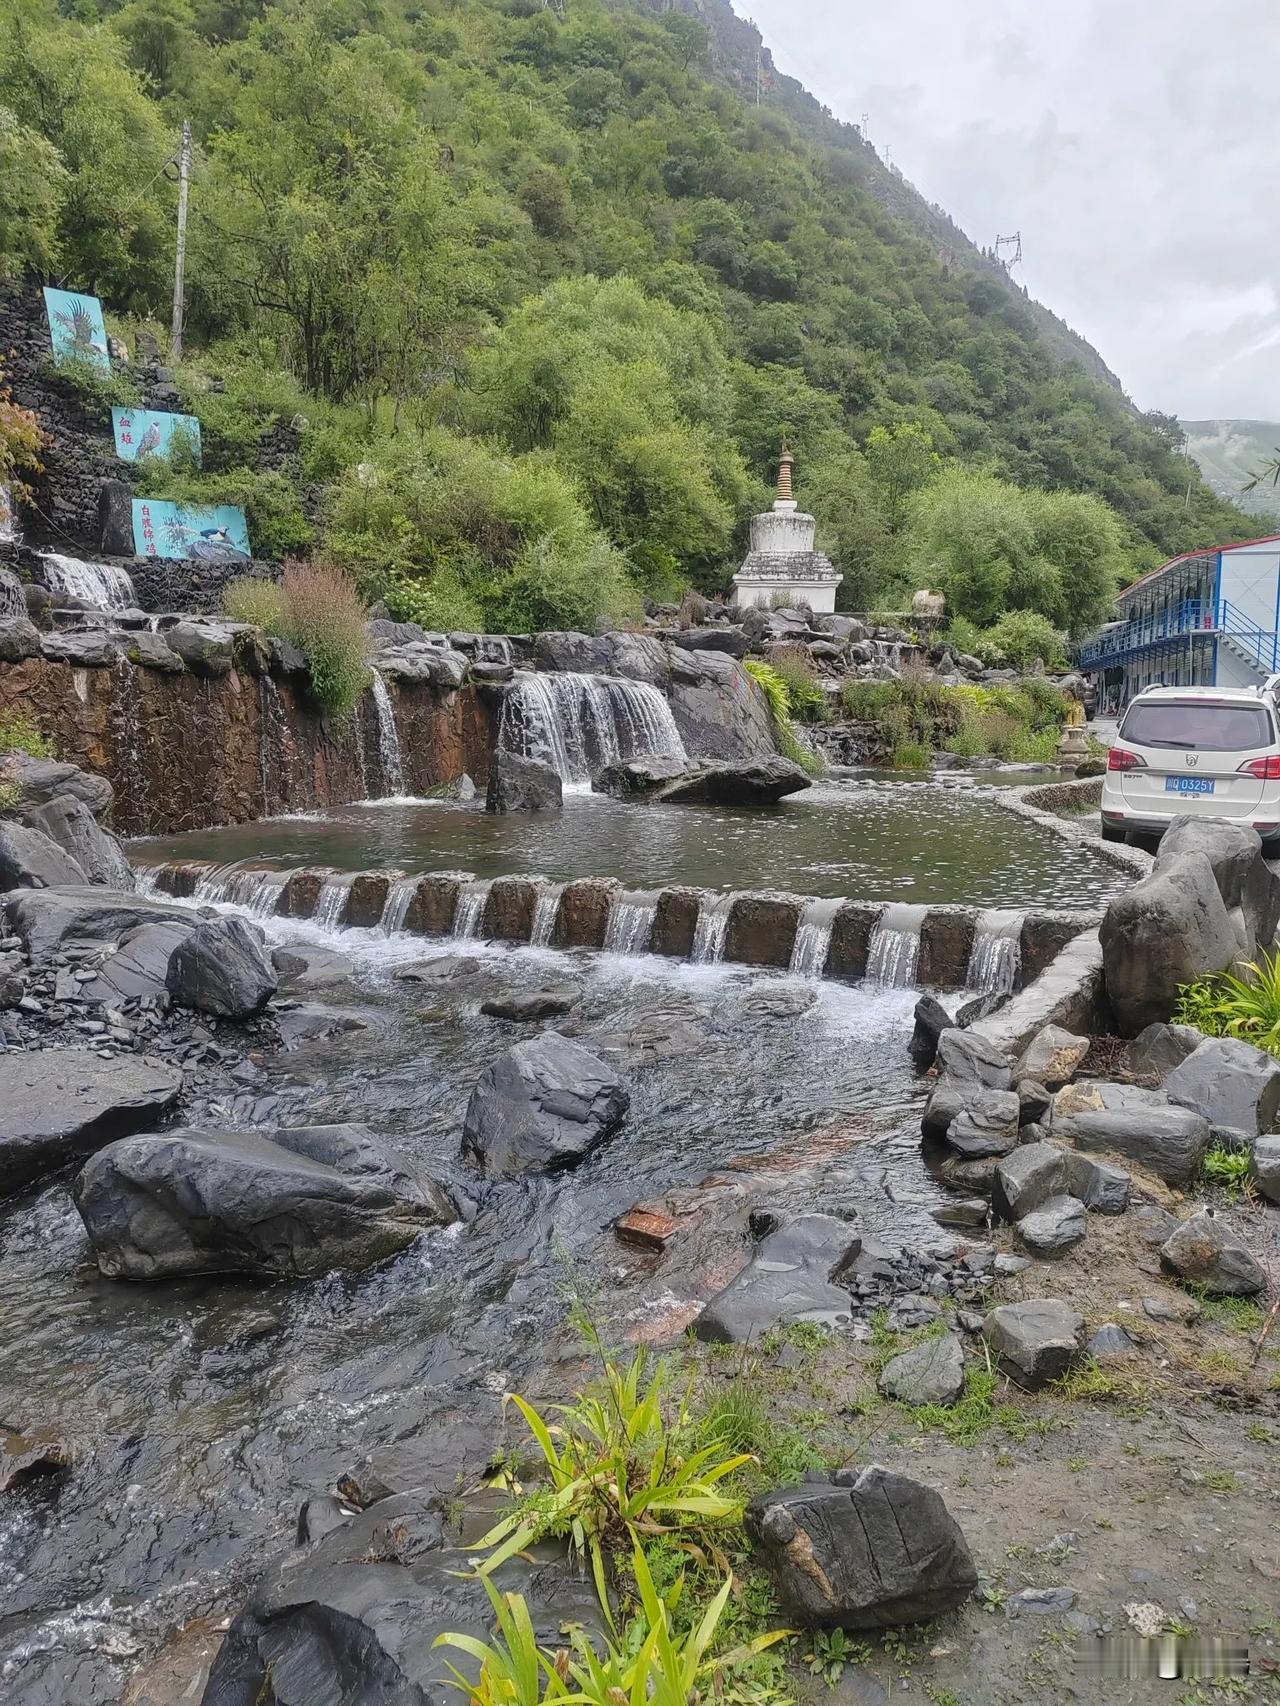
point(782, 566)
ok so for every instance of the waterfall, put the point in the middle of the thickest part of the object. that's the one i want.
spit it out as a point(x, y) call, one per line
point(331, 902)
point(712, 927)
point(389, 756)
point(580, 723)
point(546, 910)
point(146, 880)
point(100, 585)
point(272, 739)
point(894, 950)
point(813, 937)
point(396, 907)
point(126, 715)
point(258, 892)
point(631, 924)
point(996, 956)
point(467, 917)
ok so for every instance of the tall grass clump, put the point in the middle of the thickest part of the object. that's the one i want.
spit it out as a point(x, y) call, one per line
point(775, 691)
point(1228, 1006)
point(326, 620)
point(248, 599)
point(807, 703)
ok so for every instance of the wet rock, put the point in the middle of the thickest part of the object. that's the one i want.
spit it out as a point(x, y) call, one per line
point(547, 1002)
point(19, 639)
point(153, 651)
point(1156, 1051)
point(221, 968)
point(966, 1058)
point(1143, 1126)
point(1051, 1057)
point(1249, 888)
point(1035, 1342)
point(932, 1373)
point(61, 1104)
point(779, 1001)
point(1035, 1104)
point(543, 1105)
point(523, 785)
point(304, 967)
point(67, 821)
point(354, 1621)
point(444, 969)
point(321, 1516)
point(1040, 1602)
point(977, 1177)
point(1055, 1227)
point(982, 1007)
point(45, 920)
point(28, 1456)
point(294, 1202)
point(207, 648)
point(1027, 1178)
point(931, 1020)
point(755, 782)
point(1167, 930)
point(637, 777)
point(42, 779)
point(304, 1022)
point(963, 1212)
point(1231, 1083)
point(87, 648)
point(988, 1124)
point(792, 1276)
point(1201, 1253)
point(30, 859)
point(1265, 1169)
point(867, 1551)
point(945, 1105)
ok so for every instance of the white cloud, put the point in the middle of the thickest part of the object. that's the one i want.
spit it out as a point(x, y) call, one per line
point(1131, 142)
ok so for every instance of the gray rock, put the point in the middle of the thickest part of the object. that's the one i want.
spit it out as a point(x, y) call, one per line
point(792, 1276)
point(754, 782)
point(946, 1104)
point(207, 648)
point(638, 776)
point(1155, 1052)
point(1035, 1342)
point(720, 711)
point(543, 1105)
point(1111, 1340)
point(931, 1373)
point(522, 1005)
point(1008, 1266)
point(931, 1020)
point(1179, 1309)
point(1040, 1602)
point(870, 1550)
point(446, 968)
point(1102, 1187)
point(1026, 1178)
point(1201, 1253)
point(523, 785)
point(19, 639)
point(1051, 1057)
point(302, 1023)
point(42, 779)
point(1249, 889)
point(87, 648)
point(287, 1204)
point(730, 640)
point(1231, 1083)
point(1035, 1104)
point(67, 821)
point(1167, 930)
point(963, 1211)
point(220, 968)
point(988, 1124)
point(437, 666)
point(966, 1058)
point(59, 1105)
point(30, 859)
point(1265, 1169)
point(1055, 1227)
point(148, 650)
point(981, 1007)
point(1170, 1142)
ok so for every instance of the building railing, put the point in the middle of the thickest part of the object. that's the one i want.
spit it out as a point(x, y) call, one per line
point(1194, 616)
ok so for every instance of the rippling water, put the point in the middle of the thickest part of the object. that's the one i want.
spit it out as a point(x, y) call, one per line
point(934, 841)
point(205, 1413)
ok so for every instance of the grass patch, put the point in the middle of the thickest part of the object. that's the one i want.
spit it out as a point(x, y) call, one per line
point(777, 693)
point(1227, 1006)
point(315, 605)
point(1018, 725)
point(976, 1412)
point(19, 733)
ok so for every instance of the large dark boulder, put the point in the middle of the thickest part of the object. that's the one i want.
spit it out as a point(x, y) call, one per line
point(719, 710)
point(67, 821)
point(519, 784)
point(966, 1058)
point(541, 1106)
point(868, 1550)
point(1142, 1125)
point(1231, 1083)
point(793, 1275)
point(59, 1105)
point(1249, 888)
point(637, 777)
point(43, 779)
point(732, 641)
point(1167, 930)
point(755, 782)
point(282, 1205)
point(222, 969)
point(30, 859)
point(207, 648)
point(931, 1020)
point(1155, 1051)
point(19, 639)
point(354, 1620)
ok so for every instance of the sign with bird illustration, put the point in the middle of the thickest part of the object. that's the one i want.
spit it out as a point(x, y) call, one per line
point(144, 432)
point(76, 327)
point(218, 534)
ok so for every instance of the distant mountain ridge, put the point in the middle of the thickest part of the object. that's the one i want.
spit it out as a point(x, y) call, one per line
point(1230, 453)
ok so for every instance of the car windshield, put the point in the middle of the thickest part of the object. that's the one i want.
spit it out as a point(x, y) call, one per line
point(1198, 725)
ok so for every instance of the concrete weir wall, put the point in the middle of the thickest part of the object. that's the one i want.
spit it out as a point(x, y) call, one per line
point(760, 928)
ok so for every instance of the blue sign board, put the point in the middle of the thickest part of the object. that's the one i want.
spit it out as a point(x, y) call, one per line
point(76, 326)
point(141, 432)
point(214, 535)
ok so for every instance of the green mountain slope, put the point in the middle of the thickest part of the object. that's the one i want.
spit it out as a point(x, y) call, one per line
point(548, 283)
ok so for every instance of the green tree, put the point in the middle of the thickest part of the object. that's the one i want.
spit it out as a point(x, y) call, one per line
point(34, 184)
point(969, 535)
point(902, 460)
point(1083, 539)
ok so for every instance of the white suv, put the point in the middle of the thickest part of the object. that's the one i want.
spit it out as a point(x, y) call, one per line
point(1194, 752)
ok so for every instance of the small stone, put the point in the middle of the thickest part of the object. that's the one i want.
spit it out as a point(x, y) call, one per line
point(1111, 1340)
point(1200, 1252)
point(1056, 1227)
point(932, 1373)
point(1038, 1602)
point(1007, 1266)
point(963, 1211)
point(1037, 1341)
point(1182, 1310)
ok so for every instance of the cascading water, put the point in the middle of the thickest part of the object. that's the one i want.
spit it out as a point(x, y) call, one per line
point(126, 715)
point(396, 907)
point(630, 924)
point(894, 950)
point(469, 913)
point(273, 746)
point(580, 723)
point(813, 937)
point(390, 759)
point(100, 585)
point(711, 929)
point(546, 909)
point(257, 892)
point(331, 902)
point(996, 956)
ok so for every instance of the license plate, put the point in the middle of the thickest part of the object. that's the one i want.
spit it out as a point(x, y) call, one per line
point(1188, 785)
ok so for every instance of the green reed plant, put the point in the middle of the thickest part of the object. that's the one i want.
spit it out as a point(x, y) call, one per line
point(1229, 1006)
point(775, 691)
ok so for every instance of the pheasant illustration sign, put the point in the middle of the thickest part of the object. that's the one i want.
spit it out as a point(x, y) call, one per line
point(76, 327)
point(143, 432)
point(218, 534)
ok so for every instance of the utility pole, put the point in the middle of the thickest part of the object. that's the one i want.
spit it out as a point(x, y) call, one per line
point(180, 263)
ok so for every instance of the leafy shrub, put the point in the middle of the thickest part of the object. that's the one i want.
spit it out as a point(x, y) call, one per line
point(19, 734)
point(324, 617)
point(99, 388)
point(911, 755)
point(442, 604)
point(1019, 637)
point(21, 441)
point(1230, 1006)
point(1226, 1167)
point(249, 599)
point(550, 587)
point(794, 668)
point(775, 691)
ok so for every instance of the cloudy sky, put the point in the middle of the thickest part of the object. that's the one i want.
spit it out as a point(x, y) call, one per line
point(1133, 142)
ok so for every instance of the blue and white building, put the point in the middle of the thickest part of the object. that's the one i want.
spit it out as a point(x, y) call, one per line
point(1208, 618)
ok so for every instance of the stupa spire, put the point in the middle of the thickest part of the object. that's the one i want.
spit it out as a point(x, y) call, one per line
point(786, 464)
